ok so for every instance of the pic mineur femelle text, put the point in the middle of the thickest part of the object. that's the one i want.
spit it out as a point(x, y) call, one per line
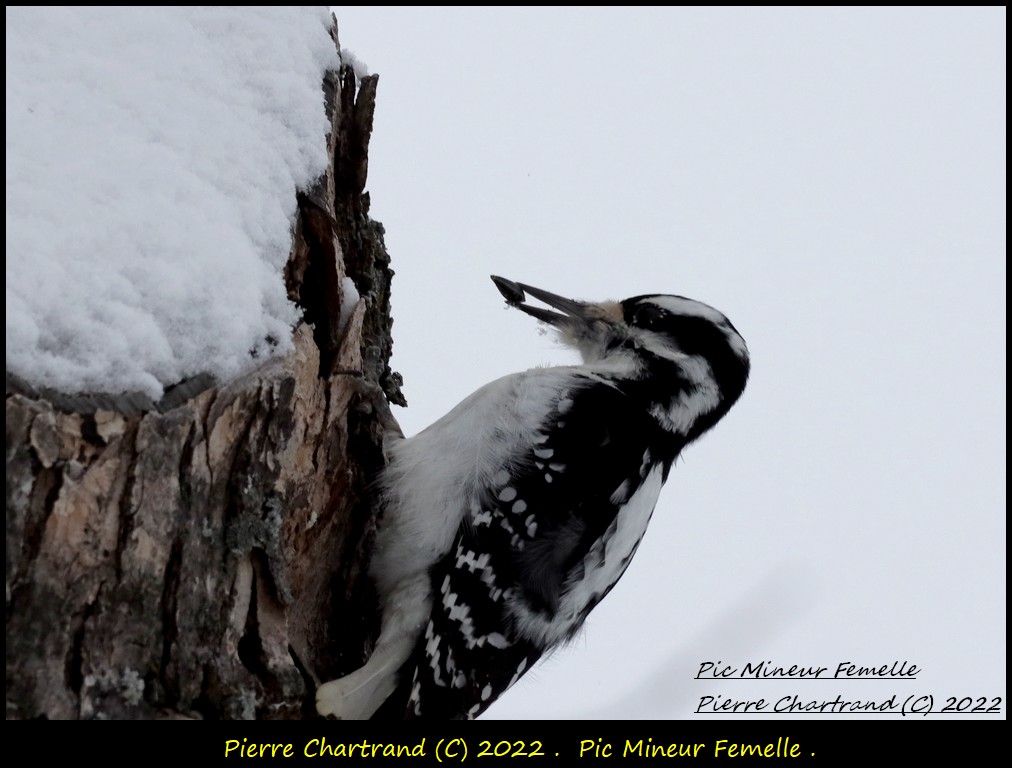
point(767, 670)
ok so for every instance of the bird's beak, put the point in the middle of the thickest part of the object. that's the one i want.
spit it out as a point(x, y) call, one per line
point(516, 294)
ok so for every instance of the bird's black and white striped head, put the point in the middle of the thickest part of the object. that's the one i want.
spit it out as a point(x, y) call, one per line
point(683, 358)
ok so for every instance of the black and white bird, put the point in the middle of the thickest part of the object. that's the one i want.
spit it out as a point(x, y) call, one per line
point(505, 522)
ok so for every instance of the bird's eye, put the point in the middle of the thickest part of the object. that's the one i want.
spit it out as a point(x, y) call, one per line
point(648, 316)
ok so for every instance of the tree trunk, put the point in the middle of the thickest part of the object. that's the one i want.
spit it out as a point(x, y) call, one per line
point(203, 556)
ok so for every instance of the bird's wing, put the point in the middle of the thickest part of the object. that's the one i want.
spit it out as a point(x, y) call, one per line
point(526, 545)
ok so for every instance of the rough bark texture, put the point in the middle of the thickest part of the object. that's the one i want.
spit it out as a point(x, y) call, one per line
point(204, 556)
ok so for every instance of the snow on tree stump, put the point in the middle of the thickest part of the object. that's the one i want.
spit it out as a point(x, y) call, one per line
point(204, 556)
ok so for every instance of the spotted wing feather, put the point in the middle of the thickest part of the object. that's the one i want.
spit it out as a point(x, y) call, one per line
point(524, 548)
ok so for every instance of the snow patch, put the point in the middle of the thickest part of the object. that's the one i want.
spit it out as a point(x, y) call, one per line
point(153, 155)
point(349, 300)
point(358, 66)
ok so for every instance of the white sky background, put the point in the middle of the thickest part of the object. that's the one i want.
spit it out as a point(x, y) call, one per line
point(832, 180)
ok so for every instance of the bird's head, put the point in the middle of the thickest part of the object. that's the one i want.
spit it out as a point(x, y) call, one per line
point(682, 356)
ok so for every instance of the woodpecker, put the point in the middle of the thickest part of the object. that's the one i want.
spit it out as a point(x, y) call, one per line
point(505, 522)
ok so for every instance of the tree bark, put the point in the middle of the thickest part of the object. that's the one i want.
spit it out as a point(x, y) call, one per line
point(204, 556)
